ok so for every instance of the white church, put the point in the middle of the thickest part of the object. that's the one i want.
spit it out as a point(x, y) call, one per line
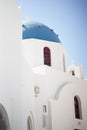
point(36, 90)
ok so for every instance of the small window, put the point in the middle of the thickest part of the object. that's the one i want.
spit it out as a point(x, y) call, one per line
point(47, 56)
point(73, 73)
point(44, 108)
point(77, 106)
point(64, 68)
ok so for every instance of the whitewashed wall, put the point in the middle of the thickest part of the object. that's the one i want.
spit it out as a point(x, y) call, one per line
point(10, 60)
point(33, 53)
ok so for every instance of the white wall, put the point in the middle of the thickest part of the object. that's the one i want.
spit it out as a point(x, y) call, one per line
point(33, 53)
point(10, 60)
point(62, 112)
point(48, 85)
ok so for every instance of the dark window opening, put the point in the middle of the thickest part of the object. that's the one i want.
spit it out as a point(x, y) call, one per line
point(47, 56)
point(76, 129)
point(77, 106)
point(73, 73)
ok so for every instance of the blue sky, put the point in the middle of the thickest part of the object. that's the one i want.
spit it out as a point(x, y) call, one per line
point(68, 18)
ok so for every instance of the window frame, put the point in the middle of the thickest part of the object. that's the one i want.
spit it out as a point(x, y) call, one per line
point(47, 56)
point(77, 107)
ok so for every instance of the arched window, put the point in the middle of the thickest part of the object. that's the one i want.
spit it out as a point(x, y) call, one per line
point(30, 122)
point(64, 69)
point(47, 56)
point(4, 120)
point(77, 106)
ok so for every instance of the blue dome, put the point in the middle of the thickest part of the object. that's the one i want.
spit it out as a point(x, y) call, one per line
point(39, 31)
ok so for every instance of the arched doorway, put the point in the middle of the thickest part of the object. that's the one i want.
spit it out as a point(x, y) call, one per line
point(4, 121)
point(30, 122)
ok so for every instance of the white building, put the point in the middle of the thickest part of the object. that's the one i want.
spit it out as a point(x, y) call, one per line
point(76, 70)
point(36, 93)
